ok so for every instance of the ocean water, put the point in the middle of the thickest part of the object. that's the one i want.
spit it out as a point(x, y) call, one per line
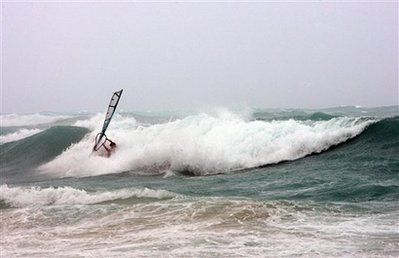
point(246, 183)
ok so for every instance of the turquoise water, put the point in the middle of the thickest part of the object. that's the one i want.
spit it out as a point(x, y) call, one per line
point(254, 183)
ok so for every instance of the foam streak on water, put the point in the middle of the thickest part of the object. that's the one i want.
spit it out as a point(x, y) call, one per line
point(36, 196)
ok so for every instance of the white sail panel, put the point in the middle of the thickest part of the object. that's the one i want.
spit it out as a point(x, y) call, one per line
point(111, 109)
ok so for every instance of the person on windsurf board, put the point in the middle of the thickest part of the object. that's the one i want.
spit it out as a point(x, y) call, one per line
point(101, 141)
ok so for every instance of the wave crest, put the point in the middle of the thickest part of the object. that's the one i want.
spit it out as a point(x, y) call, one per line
point(18, 135)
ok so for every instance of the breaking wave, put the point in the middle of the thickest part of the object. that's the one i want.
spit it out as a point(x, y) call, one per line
point(18, 197)
point(203, 144)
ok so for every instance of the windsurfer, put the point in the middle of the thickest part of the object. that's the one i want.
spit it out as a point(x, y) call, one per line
point(101, 139)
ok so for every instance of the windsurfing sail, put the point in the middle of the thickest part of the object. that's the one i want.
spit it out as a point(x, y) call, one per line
point(101, 137)
point(111, 109)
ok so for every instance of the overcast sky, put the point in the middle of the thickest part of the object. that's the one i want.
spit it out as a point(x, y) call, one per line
point(72, 56)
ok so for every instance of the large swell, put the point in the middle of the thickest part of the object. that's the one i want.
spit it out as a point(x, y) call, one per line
point(20, 158)
point(203, 144)
point(200, 144)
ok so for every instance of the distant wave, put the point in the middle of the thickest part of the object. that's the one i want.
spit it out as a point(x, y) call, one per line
point(18, 135)
point(29, 119)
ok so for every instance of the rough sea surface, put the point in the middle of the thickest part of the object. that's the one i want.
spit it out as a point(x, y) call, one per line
point(246, 183)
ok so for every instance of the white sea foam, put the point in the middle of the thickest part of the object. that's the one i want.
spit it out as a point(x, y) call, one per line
point(202, 144)
point(18, 135)
point(29, 119)
point(208, 226)
point(36, 196)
